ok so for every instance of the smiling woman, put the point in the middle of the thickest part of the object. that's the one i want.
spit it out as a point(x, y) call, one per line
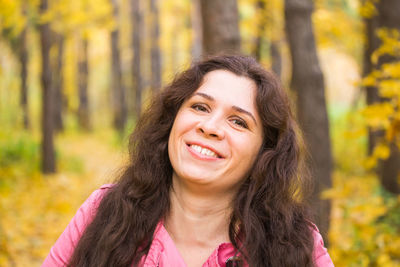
point(215, 179)
point(216, 135)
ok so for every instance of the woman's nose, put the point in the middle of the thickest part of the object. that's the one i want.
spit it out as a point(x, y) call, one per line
point(211, 127)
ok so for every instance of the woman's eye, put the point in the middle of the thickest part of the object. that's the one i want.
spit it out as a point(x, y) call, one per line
point(240, 123)
point(200, 107)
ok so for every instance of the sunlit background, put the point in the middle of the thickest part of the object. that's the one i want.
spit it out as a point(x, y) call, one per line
point(358, 48)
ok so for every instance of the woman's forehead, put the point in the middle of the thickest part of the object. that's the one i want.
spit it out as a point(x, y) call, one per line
point(225, 85)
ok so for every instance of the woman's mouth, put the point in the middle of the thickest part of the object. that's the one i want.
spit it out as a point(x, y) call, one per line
point(204, 151)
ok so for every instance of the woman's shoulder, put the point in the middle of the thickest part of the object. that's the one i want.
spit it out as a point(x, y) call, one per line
point(99, 193)
point(92, 202)
point(321, 257)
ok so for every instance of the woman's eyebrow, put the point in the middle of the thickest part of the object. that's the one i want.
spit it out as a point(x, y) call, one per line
point(205, 96)
point(238, 109)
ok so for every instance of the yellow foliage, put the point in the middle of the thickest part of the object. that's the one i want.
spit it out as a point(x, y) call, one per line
point(378, 115)
point(368, 9)
point(381, 151)
point(36, 209)
point(371, 79)
point(392, 70)
point(68, 16)
point(370, 163)
point(359, 235)
point(390, 43)
point(12, 17)
point(334, 27)
point(384, 115)
point(389, 88)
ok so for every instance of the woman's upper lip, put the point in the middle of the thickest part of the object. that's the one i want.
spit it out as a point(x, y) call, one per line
point(206, 146)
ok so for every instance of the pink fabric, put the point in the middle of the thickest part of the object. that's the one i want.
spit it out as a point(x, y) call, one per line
point(162, 253)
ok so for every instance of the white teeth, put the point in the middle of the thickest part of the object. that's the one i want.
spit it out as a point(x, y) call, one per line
point(204, 151)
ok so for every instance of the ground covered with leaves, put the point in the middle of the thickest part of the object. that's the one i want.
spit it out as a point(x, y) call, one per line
point(36, 208)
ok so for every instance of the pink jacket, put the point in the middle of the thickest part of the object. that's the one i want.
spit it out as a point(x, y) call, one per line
point(163, 251)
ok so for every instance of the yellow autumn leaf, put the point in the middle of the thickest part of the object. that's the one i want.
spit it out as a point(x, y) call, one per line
point(370, 80)
point(369, 163)
point(368, 9)
point(381, 151)
point(377, 115)
point(391, 70)
point(389, 88)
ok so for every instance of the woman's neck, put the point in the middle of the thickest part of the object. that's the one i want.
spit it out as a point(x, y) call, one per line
point(197, 222)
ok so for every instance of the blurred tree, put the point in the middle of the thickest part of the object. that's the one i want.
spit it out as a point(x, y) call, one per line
point(197, 34)
point(23, 59)
point(261, 31)
point(75, 22)
point(58, 81)
point(48, 154)
point(220, 26)
point(389, 18)
point(14, 23)
point(385, 15)
point(371, 44)
point(137, 35)
point(155, 81)
point(266, 19)
point(117, 87)
point(308, 83)
point(82, 76)
point(276, 58)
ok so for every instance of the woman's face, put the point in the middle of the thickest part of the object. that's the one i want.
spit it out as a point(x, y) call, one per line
point(217, 133)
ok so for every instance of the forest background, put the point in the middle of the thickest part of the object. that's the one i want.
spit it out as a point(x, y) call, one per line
point(75, 75)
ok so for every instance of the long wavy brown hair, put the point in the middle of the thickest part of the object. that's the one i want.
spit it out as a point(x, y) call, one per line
point(269, 223)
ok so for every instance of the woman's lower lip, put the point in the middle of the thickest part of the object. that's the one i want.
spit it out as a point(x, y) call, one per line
point(201, 156)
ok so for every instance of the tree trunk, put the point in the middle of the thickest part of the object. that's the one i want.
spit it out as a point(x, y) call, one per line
point(308, 83)
point(276, 58)
point(137, 21)
point(83, 73)
point(174, 51)
point(58, 83)
point(48, 155)
point(389, 17)
point(261, 25)
point(371, 44)
point(155, 47)
point(220, 26)
point(23, 59)
point(197, 31)
point(117, 87)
